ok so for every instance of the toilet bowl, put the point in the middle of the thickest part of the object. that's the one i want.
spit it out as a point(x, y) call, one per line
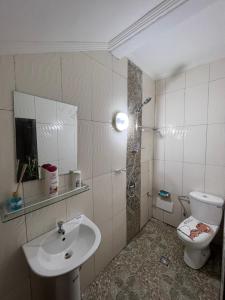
point(197, 231)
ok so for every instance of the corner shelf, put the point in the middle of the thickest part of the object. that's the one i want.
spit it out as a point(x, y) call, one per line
point(32, 205)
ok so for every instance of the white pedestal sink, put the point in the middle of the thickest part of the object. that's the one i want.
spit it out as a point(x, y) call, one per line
point(60, 255)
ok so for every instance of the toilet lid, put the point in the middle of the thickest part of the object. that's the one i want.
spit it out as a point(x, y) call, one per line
point(196, 231)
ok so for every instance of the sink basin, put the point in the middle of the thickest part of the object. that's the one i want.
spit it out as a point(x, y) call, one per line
point(54, 254)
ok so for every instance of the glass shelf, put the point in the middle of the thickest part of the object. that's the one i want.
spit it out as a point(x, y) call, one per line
point(40, 202)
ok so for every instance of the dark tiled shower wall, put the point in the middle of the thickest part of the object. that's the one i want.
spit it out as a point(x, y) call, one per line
point(134, 143)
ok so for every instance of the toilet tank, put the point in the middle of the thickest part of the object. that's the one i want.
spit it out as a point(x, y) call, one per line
point(206, 208)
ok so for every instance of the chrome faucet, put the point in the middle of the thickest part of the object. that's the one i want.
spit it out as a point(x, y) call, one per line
point(60, 227)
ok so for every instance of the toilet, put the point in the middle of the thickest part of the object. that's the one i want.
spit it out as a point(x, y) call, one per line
point(197, 231)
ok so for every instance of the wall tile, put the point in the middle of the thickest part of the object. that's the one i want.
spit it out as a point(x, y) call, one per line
point(196, 105)
point(102, 94)
point(33, 188)
point(119, 192)
point(24, 106)
point(195, 144)
point(7, 82)
point(173, 147)
point(144, 210)
point(118, 149)
point(119, 85)
point(197, 75)
point(160, 111)
point(7, 170)
point(20, 292)
point(49, 217)
point(120, 66)
point(102, 198)
point(144, 178)
point(150, 176)
point(102, 57)
point(119, 232)
point(173, 177)
point(193, 178)
point(159, 170)
point(85, 148)
point(104, 253)
point(175, 82)
point(39, 75)
point(12, 260)
point(175, 108)
point(159, 147)
point(77, 82)
point(160, 86)
point(216, 112)
point(215, 180)
point(217, 69)
point(216, 144)
point(102, 145)
point(148, 90)
point(147, 145)
point(174, 218)
point(156, 212)
point(81, 204)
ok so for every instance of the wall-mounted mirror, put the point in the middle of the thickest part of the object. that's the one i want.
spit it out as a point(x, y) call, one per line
point(46, 132)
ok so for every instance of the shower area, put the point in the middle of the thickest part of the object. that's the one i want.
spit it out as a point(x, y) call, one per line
point(137, 100)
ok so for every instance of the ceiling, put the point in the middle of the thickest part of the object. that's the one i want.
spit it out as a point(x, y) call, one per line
point(161, 36)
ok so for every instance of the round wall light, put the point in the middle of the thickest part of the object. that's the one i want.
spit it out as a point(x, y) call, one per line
point(120, 121)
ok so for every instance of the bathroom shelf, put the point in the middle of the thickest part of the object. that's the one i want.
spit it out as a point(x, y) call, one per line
point(33, 204)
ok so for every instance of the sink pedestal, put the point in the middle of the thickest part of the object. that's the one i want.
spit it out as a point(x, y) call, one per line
point(68, 286)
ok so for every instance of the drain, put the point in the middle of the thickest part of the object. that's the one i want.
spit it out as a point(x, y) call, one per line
point(164, 260)
point(68, 255)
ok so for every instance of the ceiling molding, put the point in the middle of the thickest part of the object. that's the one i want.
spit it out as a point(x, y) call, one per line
point(45, 47)
point(147, 20)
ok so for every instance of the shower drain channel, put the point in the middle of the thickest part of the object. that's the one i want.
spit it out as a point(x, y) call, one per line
point(164, 260)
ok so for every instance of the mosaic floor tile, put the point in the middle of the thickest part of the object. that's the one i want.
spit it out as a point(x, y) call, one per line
point(137, 274)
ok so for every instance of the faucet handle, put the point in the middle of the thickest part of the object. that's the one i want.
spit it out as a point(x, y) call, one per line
point(60, 224)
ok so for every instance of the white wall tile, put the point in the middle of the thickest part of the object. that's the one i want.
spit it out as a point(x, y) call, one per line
point(119, 232)
point(66, 113)
point(24, 106)
point(12, 260)
point(87, 273)
point(195, 144)
point(215, 180)
point(120, 66)
point(119, 192)
point(49, 217)
point(144, 178)
point(216, 112)
point(19, 292)
point(81, 204)
point(46, 111)
point(196, 105)
point(159, 170)
point(147, 145)
point(102, 198)
point(216, 144)
point(160, 86)
point(102, 137)
point(119, 84)
point(39, 75)
point(175, 82)
point(160, 111)
point(102, 57)
point(7, 82)
point(77, 82)
point(197, 75)
point(217, 69)
point(193, 178)
point(85, 148)
point(159, 147)
point(102, 94)
point(104, 253)
point(173, 147)
point(173, 177)
point(118, 149)
point(175, 108)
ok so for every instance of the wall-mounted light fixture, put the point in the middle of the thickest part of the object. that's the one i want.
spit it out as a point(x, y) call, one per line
point(120, 121)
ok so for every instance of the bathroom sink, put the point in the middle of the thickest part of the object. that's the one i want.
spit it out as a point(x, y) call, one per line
point(54, 254)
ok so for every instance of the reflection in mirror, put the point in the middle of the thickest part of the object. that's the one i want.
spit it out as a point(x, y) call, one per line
point(46, 133)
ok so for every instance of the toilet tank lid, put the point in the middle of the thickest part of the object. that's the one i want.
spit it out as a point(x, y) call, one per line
point(207, 198)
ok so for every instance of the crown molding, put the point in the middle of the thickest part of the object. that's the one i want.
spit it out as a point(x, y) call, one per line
point(147, 20)
point(45, 47)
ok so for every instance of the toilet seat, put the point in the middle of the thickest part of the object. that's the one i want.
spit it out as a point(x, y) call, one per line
point(202, 239)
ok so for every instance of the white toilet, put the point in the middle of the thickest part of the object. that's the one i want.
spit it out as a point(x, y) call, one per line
point(207, 209)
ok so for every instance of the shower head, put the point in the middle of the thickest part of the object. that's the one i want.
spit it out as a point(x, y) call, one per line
point(139, 108)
